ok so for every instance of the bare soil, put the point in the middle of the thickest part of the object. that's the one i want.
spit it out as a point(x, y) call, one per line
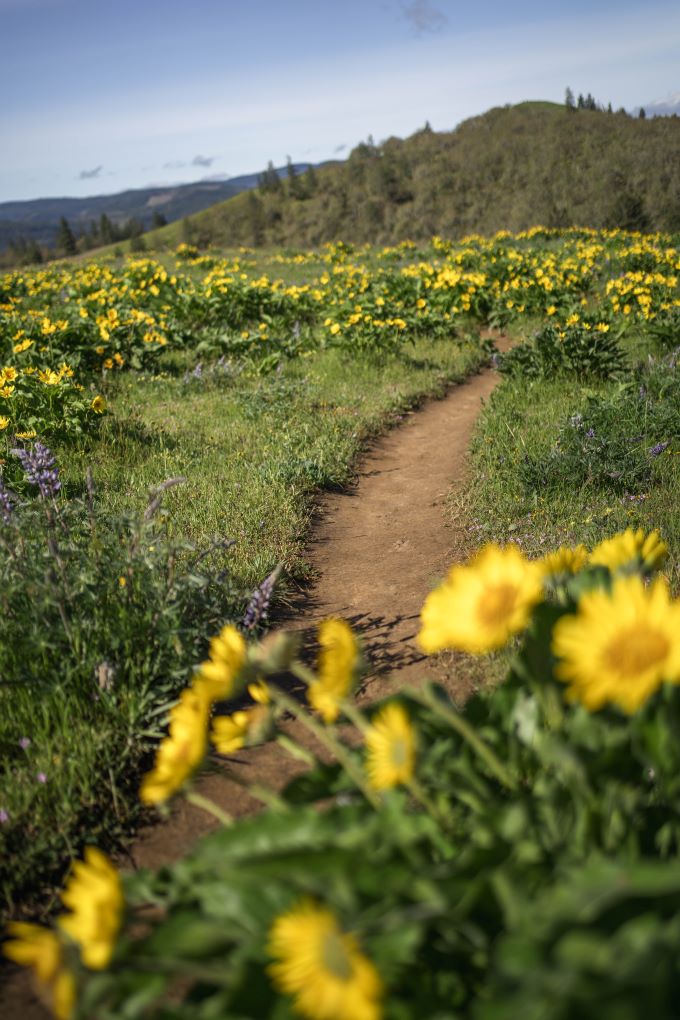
point(377, 550)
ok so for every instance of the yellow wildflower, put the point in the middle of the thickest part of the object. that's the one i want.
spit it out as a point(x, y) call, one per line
point(481, 605)
point(564, 560)
point(227, 656)
point(183, 750)
point(619, 646)
point(98, 404)
point(41, 950)
point(4, 422)
point(229, 732)
point(390, 747)
point(94, 895)
point(630, 548)
point(322, 967)
point(338, 662)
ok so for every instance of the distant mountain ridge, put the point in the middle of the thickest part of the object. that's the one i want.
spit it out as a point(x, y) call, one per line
point(38, 219)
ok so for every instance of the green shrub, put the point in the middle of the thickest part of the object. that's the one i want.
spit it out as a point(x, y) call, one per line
point(582, 353)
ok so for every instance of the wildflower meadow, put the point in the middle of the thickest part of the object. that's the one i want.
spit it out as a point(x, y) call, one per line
point(166, 425)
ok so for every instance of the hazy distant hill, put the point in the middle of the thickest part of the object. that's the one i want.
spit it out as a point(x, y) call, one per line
point(38, 220)
point(511, 168)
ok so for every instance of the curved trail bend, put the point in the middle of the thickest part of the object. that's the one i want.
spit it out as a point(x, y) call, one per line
point(377, 549)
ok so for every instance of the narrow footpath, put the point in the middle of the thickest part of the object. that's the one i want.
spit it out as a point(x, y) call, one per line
point(377, 549)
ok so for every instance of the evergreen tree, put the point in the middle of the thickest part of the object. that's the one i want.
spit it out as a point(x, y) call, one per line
point(269, 182)
point(580, 103)
point(66, 241)
point(158, 220)
point(256, 219)
point(107, 233)
point(310, 179)
point(296, 186)
point(642, 115)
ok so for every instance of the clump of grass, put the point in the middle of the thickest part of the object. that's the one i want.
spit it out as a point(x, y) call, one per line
point(101, 617)
point(558, 463)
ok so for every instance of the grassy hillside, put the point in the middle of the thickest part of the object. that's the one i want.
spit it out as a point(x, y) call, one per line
point(510, 168)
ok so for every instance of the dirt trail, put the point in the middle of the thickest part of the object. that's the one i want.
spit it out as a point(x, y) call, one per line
point(378, 549)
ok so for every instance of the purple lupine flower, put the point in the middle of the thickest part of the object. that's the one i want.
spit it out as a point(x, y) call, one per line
point(40, 469)
point(41, 777)
point(4, 817)
point(659, 448)
point(259, 603)
point(6, 502)
point(24, 743)
point(198, 371)
point(590, 434)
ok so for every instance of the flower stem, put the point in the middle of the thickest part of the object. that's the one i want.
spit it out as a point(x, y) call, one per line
point(463, 729)
point(326, 738)
point(198, 800)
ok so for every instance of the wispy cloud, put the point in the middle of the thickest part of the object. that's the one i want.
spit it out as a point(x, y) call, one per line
point(174, 164)
point(339, 148)
point(424, 16)
point(203, 160)
point(89, 175)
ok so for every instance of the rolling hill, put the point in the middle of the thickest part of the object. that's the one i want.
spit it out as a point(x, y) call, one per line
point(510, 168)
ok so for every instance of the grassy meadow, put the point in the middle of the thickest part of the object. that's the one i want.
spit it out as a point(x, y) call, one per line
point(165, 426)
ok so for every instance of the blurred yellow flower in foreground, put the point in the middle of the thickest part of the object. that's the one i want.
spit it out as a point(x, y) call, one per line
point(630, 547)
point(390, 748)
point(480, 605)
point(94, 896)
point(227, 656)
point(564, 560)
point(323, 967)
point(98, 404)
point(183, 750)
point(619, 647)
point(338, 662)
point(41, 949)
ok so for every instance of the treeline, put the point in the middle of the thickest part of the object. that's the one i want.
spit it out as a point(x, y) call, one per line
point(104, 231)
point(589, 102)
point(510, 168)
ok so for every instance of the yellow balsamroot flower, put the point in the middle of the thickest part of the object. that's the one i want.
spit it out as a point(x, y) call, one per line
point(322, 966)
point(564, 560)
point(337, 665)
point(481, 605)
point(619, 647)
point(4, 422)
point(41, 950)
point(94, 896)
point(183, 750)
point(229, 732)
point(630, 547)
point(390, 748)
point(9, 374)
point(259, 692)
point(98, 405)
point(227, 657)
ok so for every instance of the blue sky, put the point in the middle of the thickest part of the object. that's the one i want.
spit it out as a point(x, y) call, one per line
point(99, 96)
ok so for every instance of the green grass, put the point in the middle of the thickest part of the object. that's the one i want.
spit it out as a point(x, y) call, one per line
point(254, 451)
point(559, 463)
